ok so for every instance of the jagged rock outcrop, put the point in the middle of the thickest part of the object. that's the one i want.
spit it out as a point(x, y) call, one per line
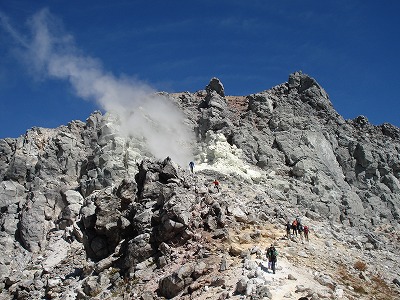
point(86, 212)
point(215, 85)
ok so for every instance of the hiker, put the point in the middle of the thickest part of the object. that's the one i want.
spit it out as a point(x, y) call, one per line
point(216, 184)
point(294, 227)
point(288, 227)
point(298, 221)
point(306, 232)
point(272, 255)
point(300, 229)
point(268, 254)
point(191, 165)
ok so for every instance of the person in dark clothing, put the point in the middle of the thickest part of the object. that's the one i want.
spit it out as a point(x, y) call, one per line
point(272, 255)
point(191, 165)
point(298, 221)
point(288, 227)
point(300, 230)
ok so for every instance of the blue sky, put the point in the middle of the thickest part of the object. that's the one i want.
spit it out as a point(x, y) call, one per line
point(350, 47)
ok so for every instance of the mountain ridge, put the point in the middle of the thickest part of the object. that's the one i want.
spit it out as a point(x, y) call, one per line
point(131, 217)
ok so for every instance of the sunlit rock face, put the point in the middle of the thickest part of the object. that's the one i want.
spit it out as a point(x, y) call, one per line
point(110, 208)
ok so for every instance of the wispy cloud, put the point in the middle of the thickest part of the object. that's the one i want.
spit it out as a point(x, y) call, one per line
point(51, 52)
point(5, 24)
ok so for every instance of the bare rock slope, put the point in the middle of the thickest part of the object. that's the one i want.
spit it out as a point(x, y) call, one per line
point(89, 214)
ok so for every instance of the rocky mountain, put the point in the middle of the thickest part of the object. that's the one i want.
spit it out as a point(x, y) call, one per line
point(89, 213)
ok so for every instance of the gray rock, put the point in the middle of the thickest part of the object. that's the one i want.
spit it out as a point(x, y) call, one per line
point(277, 152)
point(10, 224)
point(11, 192)
point(162, 262)
point(301, 289)
point(138, 249)
point(73, 197)
point(171, 285)
point(199, 269)
point(146, 296)
point(264, 292)
point(168, 171)
point(215, 85)
point(241, 285)
point(239, 214)
point(88, 216)
point(33, 224)
point(127, 190)
point(392, 183)
point(325, 280)
point(302, 254)
point(224, 295)
point(92, 286)
point(99, 246)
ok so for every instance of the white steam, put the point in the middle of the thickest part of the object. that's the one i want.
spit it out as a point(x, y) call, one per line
point(52, 53)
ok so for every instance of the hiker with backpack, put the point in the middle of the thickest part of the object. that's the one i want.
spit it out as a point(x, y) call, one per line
point(298, 219)
point(294, 227)
point(288, 227)
point(300, 229)
point(272, 256)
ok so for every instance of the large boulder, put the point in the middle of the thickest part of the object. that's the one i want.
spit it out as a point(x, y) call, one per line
point(138, 249)
point(33, 226)
point(171, 285)
point(11, 192)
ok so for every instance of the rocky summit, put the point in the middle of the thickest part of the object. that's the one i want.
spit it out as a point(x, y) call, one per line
point(90, 213)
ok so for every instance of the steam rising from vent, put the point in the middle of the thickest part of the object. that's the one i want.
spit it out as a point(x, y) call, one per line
point(52, 53)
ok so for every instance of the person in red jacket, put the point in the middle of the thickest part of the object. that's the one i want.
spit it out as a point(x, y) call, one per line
point(216, 184)
point(294, 227)
point(305, 228)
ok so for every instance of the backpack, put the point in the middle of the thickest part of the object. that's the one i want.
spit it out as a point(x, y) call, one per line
point(294, 223)
point(274, 254)
point(300, 228)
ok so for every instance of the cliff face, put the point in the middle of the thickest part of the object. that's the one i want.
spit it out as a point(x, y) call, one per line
point(348, 170)
point(86, 212)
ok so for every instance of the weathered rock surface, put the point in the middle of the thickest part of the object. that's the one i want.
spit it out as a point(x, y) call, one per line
point(86, 213)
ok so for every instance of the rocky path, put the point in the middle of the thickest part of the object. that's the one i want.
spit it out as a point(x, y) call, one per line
point(323, 268)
